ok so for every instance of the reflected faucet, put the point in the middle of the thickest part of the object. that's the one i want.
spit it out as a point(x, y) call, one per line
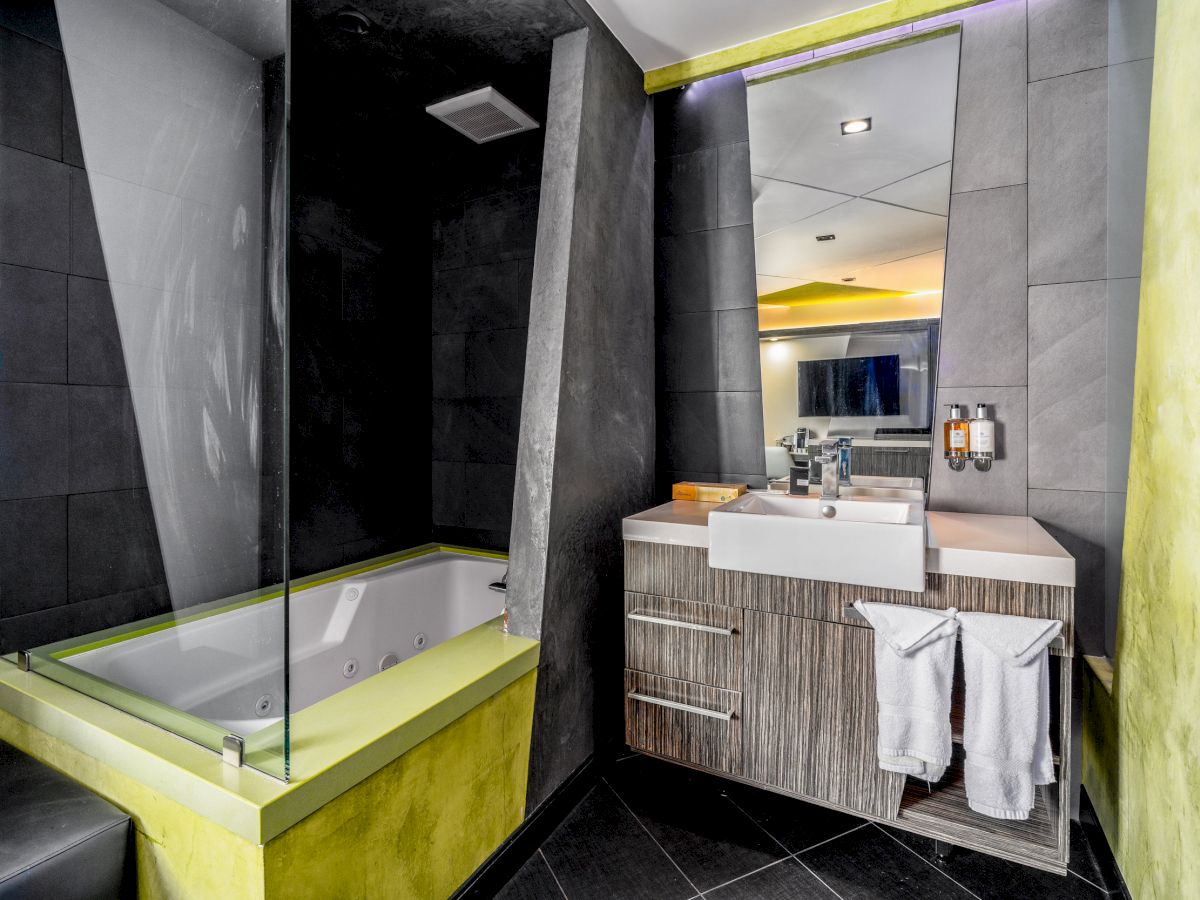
point(834, 458)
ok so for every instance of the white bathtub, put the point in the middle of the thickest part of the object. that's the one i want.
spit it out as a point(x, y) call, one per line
point(228, 668)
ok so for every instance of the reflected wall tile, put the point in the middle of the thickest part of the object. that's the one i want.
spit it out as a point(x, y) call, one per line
point(1128, 146)
point(1131, 26)
point(1067, 431)
point(1068, 195)
point(33, 325)
point(33, 423)
point(34, 210)
point(1121, 325)
point(31, 94)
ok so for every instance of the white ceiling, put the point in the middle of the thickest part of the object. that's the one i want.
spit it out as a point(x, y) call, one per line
point(884, 193)
point(660, 32)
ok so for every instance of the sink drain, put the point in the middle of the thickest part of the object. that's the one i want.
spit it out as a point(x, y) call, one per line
point(350, 669)
point(263, 705)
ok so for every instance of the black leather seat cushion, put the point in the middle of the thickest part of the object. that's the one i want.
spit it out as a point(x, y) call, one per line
point(57, 839)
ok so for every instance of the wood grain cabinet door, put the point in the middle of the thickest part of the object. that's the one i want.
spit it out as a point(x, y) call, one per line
point(810, 721)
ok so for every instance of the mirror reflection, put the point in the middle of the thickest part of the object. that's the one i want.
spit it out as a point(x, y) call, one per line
point(850, 161)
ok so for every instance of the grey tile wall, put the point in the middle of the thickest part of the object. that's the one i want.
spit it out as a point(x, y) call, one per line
point(1044, 323)
point(710, 396)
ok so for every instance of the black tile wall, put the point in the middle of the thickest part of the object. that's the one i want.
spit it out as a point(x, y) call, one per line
point(80, 545)
point(483, 246)
point(710, 395)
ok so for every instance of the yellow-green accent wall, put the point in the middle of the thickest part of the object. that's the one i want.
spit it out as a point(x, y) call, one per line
point(414, 829)
point(877, 17)
point(1141, 745)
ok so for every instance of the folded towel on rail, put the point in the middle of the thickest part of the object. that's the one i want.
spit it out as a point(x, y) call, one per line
point(914, 671)
point(1006, 728)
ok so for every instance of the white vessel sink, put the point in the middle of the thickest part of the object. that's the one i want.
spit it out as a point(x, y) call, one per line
point(869, 540)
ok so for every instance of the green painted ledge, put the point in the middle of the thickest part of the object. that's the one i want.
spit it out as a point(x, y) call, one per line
point(336, 743)
point(813, 36)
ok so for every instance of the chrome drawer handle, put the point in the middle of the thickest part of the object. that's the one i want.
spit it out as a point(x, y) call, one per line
point(678, 623)
point(682, 707)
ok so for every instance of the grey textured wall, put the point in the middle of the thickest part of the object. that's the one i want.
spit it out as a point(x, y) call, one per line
point(586, 453)
point(80, 547)
point(1040, 315)
point(710, 388)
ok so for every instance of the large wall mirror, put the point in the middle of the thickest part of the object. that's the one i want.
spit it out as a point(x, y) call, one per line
point(850, 159)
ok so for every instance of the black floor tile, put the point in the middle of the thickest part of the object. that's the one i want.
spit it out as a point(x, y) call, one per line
point(996, 879)
point(602, 851)
point(533, 881)
point(866, 865)
point(1091, 857)
point(788, 880)
point(795, 824)
point(706, 835)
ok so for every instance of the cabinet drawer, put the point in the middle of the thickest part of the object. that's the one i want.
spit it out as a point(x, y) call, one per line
point(693, 723)
point(680, 639)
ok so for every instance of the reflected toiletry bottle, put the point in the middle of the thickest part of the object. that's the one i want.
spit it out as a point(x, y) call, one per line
point(956, 439)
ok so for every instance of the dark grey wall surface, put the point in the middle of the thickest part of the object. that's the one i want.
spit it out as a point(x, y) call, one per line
point(710, 388)
point(79, 548)
point(484, 233)
point(1044, 254)
point(586, 454)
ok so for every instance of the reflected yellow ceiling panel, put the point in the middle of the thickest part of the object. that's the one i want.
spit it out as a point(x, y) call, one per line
point(819, 292)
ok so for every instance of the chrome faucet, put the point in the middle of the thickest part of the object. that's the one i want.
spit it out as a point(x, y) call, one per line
point(834, 457)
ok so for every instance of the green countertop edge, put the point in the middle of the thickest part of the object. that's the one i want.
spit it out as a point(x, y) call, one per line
point(335, 743)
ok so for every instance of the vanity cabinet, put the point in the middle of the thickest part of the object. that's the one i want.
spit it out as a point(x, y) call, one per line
point(766, 680)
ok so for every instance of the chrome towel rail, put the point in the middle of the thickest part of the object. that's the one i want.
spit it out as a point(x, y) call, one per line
point(851, 613)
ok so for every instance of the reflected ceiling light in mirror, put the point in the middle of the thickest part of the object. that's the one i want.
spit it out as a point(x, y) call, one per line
point(856, 126)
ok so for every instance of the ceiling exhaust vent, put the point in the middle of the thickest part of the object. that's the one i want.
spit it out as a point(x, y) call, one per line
point(483, 115)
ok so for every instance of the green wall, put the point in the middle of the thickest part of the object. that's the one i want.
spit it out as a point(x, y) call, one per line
point(1142, 744)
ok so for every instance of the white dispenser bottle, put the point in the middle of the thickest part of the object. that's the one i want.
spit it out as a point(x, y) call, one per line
point(982, 438)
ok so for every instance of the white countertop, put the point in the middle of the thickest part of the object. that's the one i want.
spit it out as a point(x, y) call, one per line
point(1008, 548)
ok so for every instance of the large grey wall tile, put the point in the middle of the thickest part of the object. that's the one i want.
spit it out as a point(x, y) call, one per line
point(739, 432)
point(87, 253)
point(489, 489)
point(1114, 539)
point(984, 310)
point(1067, 432)
point(94, 351)
point(1067, 36)
point(34, 210)
point(709, 113)
point(1120, 355)
point(1004, 490)
point(706, 189)
point(31, 92)
point(1131, 26)
point(33, 325)
point(449, 352)
point(83, 617)
point(33, 426)
point(1076, 520)
point(496, 363)
point(112, 544)
point(33, 566)
point(707, 270)
point(476, 298)
point(989, 131)
point(689, 352)
point(690, 432)
point(105, 453)
point(449, 493)
point(1128, 145)
point(738, 350)
point(1068, 202)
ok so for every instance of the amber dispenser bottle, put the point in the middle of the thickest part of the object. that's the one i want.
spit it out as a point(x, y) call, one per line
point(957, 436)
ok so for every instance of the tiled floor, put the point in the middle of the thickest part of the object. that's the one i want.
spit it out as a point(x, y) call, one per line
point(654, 830)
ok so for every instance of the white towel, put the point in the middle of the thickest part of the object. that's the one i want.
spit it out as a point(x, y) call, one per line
point(1006, 731)
point(914, 671)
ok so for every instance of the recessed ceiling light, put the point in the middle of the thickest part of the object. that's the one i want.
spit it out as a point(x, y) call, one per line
point(856, 126)
point(826, 237)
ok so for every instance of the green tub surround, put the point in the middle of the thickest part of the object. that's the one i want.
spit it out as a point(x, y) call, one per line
point(410, 778)
point(1141, 763)
point(815, 35)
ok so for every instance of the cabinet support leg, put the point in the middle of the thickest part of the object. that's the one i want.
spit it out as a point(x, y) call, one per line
point(942, 850)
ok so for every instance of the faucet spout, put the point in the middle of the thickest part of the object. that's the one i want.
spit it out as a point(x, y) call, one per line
point(835, 466)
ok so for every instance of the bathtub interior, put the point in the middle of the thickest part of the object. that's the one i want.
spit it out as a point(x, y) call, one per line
point(223, 669)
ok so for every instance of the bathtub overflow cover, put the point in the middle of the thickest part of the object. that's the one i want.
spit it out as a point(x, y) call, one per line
point(263, 706)
point(389, 660)
point(350, 669)
point(419, 640)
